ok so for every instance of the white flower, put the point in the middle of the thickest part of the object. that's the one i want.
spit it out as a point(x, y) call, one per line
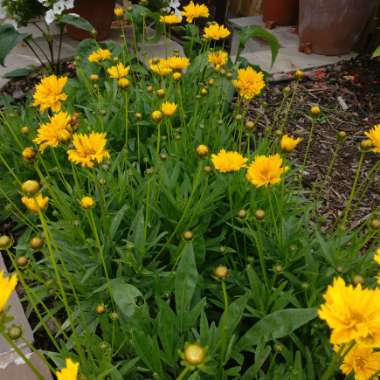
point(58, 8)
point(174, 6)
point(49, 16)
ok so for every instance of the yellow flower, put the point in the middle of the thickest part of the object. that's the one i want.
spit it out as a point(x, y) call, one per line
point(35, 203)
point(227, 161)
point(51, 134)
point(315, 110)
point(170, 19)
point(194, 354)
point(7, 286)
point(49, 93)
point(89, 149)
point(118, 71)
point(99, 55)
point(168, 109)
point(299, 74)
point(178, 63)
point(28, 153)
point(70, 372)
point(87, 202)
point(374, 136)
point(288, 143)
point(352, 313)
point(363, 361)
point(218, 59)
point(192, 11)
point(215, 32)
point(377, 256)
point(249, 83)
point(160, 66)
point(118, 11)
point(123, 82)
point(266, 170)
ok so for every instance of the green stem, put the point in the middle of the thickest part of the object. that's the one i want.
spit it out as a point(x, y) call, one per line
point(183, 373)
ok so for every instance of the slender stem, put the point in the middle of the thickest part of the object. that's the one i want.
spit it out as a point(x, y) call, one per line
point(58, 65)
point(353, 190)
point(309, 140)
point(34, 52)
point(126, 122)
point(225, 296)
point(183, 373)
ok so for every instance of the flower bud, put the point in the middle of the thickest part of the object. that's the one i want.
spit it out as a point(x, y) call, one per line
point(187, 235)
point(28, 153)
point(341, 135)
point(156, 116)
point(358, 280)
point(114, 316)
point(36, 243)
point(6, 242)
point(202, 150)
point(204, 91)
point(249, 125)
point(123, 82)
point(30, 187)
point(278, 269)
point(260, 214)
point(149, 88)
point(375, 224)
point(229, 76)
point(15, 332)
point(208, 169)
point(242, 214)
point(163, 156)
point(299, 74)
point(211, 82)
point(177, 76)
point(194, 354)
point(94, 77)
point(25, 130)
point(286, 90)
point(221, 272)
point(238, 117)
point(160, 93)
point(22, 261)
point(100, 309)
point(315, 111)
point(366, 144)
point(87, 202)
point(138, 115)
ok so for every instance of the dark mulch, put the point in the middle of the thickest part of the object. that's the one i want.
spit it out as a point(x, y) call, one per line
point(355, 84)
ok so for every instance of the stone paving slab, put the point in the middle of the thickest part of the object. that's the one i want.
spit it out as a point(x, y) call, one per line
point(257, 52)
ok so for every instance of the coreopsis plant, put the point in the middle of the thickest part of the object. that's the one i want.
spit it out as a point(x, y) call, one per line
point(161, 233)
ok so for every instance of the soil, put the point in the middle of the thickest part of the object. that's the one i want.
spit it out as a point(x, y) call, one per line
point(353, 85)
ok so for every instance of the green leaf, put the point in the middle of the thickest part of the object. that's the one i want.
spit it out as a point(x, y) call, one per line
point(116, 220)
point(249, 32)
point(20, 73)
point(185, 281)
point(275, 326)
point(125, 296)
point(77, 21)
point(376, 53)
point(9, 38)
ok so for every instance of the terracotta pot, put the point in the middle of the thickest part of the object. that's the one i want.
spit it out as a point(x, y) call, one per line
point(280, 12)
point(333, 27)
point(98, 12)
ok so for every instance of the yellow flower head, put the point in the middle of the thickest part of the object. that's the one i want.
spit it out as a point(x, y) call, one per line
point(377, 256)
point(218, 59)
point(202, 150)
point(215, 32)
point(227, 161)
point(156, 116)
point(123, 82)
point(70, 372)
point(118, 11)
point(118, 71)
point(178, 63)
point(374, 136)
point(49, 93)
point(88, 149)
point(35, 203)
point(249, 83)
point(87, 202)
point(7, 286)
point(288, 143)
point(363, 361)
point(28, 153)
point(168, 109)
point(192, 11)
point(170, 19)
point(51, 134)
point(352, 313)
point(266, 170)
point(99, 55)
point(160, 66)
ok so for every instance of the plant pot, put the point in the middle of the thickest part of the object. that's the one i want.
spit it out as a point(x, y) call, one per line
point(99, 13)
point(280, 12)
point(333, 27)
